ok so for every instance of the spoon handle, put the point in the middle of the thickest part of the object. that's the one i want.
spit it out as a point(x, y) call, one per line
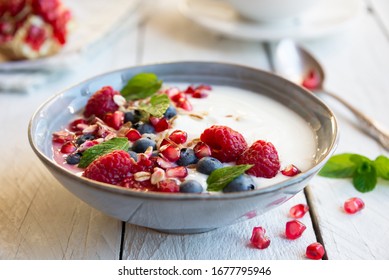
point(368, 125)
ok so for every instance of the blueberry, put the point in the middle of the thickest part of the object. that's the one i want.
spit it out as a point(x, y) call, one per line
point(191, 186)
point(144, 128)
point(81, 139)
point(208, 164)
point(141, 145)
point(170, 112)
point(134, 155)
point(73, 159)
point(242, 183)
point(132, 116)
point(187, 156)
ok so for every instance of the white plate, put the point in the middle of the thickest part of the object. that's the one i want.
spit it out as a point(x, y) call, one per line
point(94, 19)
point(327, 17)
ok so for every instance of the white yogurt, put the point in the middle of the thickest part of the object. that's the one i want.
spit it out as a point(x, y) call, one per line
point(256, 117)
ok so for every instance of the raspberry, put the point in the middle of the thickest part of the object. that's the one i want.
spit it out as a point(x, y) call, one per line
point(110, 168)
point(101, 102)
point(263, 155)
point(226, 144)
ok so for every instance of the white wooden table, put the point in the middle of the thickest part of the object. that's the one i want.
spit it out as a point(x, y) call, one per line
point(40, 220)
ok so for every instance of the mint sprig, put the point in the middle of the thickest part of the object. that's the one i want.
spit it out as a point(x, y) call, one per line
point(141, 86)
point(220, 177)
point(119, 143)
point(363, 171)
point(157, 105)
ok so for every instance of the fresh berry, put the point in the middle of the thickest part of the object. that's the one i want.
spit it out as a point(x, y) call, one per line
point(191, 186)
point(294, 229)
point(178, 136)
point(353, 205)
point(226, 144)
point(101, 102)
point(133, 135)
point(143, 163)
point(141, 145)
point(312, 80)
point(168, 185)
point(177, 172)
point(170, 152)
point(290, 171)
point(258, 238)
point(73, 159)
point(202, 150)
point(115, 119)
point(110, 168)
point(242, 183)
point(134, 155)
point(315, 251)
point(187, 157)
point(170, 112)
point(35, 37)
point(208, 164)
point(263, 155)
point(144, 128)
point(132, 116)
point(84, 137)
point(298, 211)
point(68, 148)
point(159, 124)
point(78, 125)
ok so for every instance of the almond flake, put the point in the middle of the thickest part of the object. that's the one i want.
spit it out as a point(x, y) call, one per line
point(142, 176)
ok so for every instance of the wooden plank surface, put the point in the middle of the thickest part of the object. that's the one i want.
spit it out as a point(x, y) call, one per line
point(354, 71)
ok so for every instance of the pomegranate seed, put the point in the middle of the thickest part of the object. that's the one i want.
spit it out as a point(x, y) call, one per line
point(165, 142)
point(68, 148)
point(78, 125)
point(353, 205)
point(115, 119)
point(298, 211)
point(177, 172)
point(190, 90)
point(159, 124)
point(133, 135)
point(178, 136)
point(258, 238)
point(170, 153)
point(179, 97)
point(290, 171)
point(315, 251)
point(294, 229)
point(185, 104)
point(199, 94)
point(202, 150)
point(172, 92)
point(312, 80)
point(168, 185)
point(204, 87)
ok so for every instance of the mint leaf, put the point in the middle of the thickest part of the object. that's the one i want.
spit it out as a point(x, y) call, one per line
point(220, 178)
point(381, 164)
point(141, 86)
point(157, 106)
point(340, 166)
point(119, 143)
point(365, 177)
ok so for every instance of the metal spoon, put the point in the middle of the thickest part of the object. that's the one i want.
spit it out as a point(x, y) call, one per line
point(297, 65)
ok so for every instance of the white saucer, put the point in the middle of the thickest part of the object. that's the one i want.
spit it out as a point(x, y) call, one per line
point(327, 17)
point(91, 27)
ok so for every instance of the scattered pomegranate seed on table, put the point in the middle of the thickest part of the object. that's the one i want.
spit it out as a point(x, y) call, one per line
point(258, 238)
point(298, 211)
point(315, 251)
point(294, 229)
point(353, 205)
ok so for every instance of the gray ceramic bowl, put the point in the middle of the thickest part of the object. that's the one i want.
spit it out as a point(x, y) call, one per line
point(184, 213)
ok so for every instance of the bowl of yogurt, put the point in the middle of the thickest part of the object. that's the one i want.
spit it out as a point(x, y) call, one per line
point(184, 147)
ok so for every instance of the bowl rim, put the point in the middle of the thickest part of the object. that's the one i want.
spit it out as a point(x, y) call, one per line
point(105, 187)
